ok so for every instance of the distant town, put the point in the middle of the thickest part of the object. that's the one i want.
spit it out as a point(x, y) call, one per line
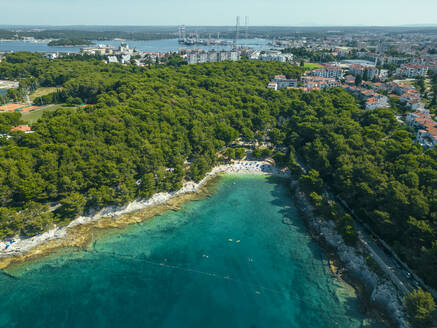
point(99, 123)
point(382, 68)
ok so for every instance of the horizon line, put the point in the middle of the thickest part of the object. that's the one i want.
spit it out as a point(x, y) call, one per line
point(135, 25)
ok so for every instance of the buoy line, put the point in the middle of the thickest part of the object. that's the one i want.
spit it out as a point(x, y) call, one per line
point(257, 288)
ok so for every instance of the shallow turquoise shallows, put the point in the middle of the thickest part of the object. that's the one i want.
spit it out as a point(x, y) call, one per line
point(241, 258)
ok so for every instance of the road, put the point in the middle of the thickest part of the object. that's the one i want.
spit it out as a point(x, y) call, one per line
point(385, 262)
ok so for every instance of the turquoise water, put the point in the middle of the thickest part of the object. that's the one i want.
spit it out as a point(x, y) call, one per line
point(225, 261)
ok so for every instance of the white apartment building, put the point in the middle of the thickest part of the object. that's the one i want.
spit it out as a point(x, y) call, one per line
point(412, 70)
point(328, 71)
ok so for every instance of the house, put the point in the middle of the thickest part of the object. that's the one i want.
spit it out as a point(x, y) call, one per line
point(378, 86)
point(377, 102)
point(410, 97)
point(416, 105)
point(22, 128)
point(272, 85)
point(349, 79)
point(426, 127)
point(427, 138)
point(401, 89)
point(372, 100)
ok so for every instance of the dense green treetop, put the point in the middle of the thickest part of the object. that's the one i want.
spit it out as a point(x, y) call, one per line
point(148, 129)
point(69, 42)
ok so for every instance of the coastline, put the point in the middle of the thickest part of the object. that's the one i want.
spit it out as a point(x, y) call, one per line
point(78, 232)
point(345, 263)
point(349, 265)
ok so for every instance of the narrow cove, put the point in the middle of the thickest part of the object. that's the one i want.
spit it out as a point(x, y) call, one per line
point(240, 258)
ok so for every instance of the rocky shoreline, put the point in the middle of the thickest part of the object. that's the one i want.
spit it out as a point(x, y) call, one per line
point(23, 249)
point(378, 293)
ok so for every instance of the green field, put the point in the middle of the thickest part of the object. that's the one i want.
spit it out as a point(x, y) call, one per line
point(33, 116)
point(42, 92)
point(406, 81)
point(310, 66)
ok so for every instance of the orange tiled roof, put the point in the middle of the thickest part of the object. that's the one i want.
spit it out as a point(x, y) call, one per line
point(22, 128)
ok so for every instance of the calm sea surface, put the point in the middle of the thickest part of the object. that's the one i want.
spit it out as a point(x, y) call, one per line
point(153, 45)
point(225, 261)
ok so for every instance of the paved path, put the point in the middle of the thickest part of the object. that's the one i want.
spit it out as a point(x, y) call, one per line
point(386, 262)
point(387, 265)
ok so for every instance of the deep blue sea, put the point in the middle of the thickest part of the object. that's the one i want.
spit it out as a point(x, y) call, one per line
point(226, 261)
point(152, 45)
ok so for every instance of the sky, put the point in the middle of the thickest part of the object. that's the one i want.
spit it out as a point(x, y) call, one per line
point(218, 12)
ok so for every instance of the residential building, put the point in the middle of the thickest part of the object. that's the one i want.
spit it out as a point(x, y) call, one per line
point(223, 55)
point(192, 58)
point(328, 71)
point(202, 57)
point(212, 56)
point(281, 82)
point(372, 100)
point(426, 128)
point(198, 57)
point(125, 59)
point(361, 70)
point(112, 59)
point(316, 82)
point(273, 56)
point(22, 128)
point(52, 55)
point(234, 55)
point(272, 85)
point(349, 79)
point(377, 101)
point(412, 70)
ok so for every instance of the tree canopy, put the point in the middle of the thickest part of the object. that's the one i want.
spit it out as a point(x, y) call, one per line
point(146, 129)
